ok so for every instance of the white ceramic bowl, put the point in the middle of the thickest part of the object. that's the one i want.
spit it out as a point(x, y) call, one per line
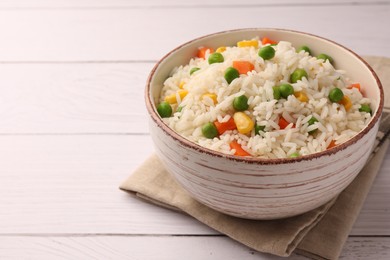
point(263, 188)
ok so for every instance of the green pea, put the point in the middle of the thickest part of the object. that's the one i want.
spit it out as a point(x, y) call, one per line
point(193, 70)
point(209, 130)
point(298, 74)
point(267, 52)
point(336, 95)
point(294, 155)
point(365, 108)
point(311, 121)
point(259, 128)
point(164, 109)
point(240, 103)
point(286, 90)
point(231, 74)
point(215, 57)
point(305, 49)
point(325, 57)
point(276, 91)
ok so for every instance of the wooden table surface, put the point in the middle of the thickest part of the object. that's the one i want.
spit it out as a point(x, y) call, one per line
point(73, 124)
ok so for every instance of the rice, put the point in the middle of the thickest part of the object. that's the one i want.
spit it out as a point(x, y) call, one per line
point(209, 98)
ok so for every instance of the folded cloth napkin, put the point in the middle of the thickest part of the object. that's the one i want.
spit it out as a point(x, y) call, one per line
point(320, 233)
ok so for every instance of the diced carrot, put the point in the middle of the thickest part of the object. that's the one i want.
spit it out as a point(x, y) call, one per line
point(331, 144)
point(266, 40)
point(283, 123)
point(225, 126)
point(346, 102)
point(354, 85)
point(202, 52)
point(239, 151)
point(243, 67)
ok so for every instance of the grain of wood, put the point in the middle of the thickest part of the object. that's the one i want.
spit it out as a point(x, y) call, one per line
point(366, 248)
point(69, 184)
point(93, 4)
point(123, 247)
point(128, 34)
point(163, 247)
point(73, 98)
point(374, 217)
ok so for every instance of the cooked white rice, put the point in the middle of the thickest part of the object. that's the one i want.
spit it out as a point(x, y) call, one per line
point(334, 122)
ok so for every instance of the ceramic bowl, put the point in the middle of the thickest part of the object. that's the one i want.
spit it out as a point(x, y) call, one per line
point(263, 188)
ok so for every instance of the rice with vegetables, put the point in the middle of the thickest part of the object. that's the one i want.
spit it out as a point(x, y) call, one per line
point(263, 99)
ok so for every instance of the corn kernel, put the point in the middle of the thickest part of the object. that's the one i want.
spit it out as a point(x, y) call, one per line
point(172, 99)
point(251, 43)
point(243, 122)
point(346, 102)
point(221, 49)
point(212, 96)
point(181, 85)
point(301, 96)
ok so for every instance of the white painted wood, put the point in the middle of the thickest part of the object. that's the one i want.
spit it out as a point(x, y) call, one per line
point(129, 34)
point(124, 247)
point(374, 219)
point(73, 98)
point(163, 247)
point(40, 4)
point(69, 184)
point(366, 248)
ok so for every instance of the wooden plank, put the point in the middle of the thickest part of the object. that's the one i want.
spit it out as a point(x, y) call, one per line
point(127, 34)
point(40, 4)
point(163, 247)
point(375, 215)
point(73, 98)
point(69, 184)
point(124, 247)
point(366, 248)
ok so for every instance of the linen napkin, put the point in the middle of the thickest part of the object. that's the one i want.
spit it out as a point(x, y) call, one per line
point(320, 233)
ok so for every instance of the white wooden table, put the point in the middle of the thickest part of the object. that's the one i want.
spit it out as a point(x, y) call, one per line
point(73, 124)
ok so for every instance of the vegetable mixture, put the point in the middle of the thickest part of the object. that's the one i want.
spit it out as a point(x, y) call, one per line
point(242, 119)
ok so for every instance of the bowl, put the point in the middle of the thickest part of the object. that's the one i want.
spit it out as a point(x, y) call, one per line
point(255, 188)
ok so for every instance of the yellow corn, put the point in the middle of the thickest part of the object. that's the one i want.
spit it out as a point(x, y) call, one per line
point(346, 102)
point(253, 43)
point(171, 99)
point(212, 96)
point(221, 49)
point(243, 122)
point(181, 85)
point(301, 96)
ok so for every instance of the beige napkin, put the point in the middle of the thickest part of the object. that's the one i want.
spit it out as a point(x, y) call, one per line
point(320, 233)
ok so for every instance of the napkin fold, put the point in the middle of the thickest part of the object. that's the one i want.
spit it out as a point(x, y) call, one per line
point(319, 234)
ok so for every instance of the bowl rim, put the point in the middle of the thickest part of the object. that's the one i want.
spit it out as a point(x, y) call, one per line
point(255, 160)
